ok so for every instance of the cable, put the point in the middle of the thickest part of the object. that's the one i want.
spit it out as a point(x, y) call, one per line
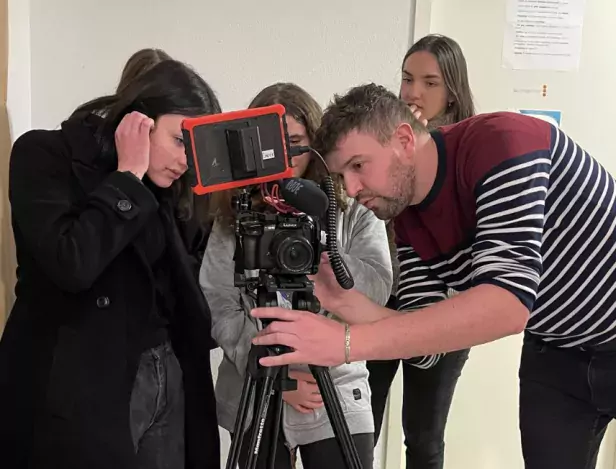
point(341, 271)
point(296, 151)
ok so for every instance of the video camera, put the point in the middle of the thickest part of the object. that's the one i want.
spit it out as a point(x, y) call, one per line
point(241, 149)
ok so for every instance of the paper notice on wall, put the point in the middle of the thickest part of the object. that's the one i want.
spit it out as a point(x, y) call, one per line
point(543, 34)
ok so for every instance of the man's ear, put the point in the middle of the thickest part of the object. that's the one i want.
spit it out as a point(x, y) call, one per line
point(405, 136)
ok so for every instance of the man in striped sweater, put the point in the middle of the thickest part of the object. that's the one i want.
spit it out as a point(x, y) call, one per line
point(511, 213)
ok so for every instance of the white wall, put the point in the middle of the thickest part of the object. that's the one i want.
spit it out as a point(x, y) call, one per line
point(482, 432)
point(19, 97)
point(78, 46)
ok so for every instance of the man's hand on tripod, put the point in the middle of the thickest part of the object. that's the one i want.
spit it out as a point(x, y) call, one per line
point(314, 338)
point(307, 396)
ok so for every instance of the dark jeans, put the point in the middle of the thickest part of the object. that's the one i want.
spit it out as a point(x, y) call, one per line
point(427, 396)
point(567, 398)
point(157, 410)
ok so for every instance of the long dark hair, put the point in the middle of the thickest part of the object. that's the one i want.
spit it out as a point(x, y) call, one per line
point(300, 105)
point(169, 87)
point(452, 63)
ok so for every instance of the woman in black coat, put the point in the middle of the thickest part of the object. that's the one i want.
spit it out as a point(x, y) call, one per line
point(104, 361)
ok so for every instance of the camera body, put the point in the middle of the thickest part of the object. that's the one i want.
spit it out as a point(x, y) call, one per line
point(279, 244)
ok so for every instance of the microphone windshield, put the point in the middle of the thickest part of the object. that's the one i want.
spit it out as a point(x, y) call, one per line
point(304, 195)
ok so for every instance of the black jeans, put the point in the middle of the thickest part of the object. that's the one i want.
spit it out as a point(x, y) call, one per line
point(157, 410)
point(427, 396)
point(318, 455)
point(567, 398)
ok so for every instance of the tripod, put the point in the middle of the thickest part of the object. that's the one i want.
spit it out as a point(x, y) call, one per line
point(275, 380)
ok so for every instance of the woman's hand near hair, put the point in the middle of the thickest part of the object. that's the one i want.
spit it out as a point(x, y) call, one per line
point(132, 138)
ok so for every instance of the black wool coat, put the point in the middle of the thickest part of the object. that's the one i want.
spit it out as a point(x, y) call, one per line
point(67, 356)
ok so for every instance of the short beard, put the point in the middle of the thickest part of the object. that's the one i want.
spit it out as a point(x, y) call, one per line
point(403, 191)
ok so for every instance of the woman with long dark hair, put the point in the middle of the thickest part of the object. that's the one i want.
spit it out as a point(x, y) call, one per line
point(435, 85)
point(196, 229)
point(104, 362)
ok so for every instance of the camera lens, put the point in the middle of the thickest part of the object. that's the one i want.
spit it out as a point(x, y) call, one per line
point(293, 254)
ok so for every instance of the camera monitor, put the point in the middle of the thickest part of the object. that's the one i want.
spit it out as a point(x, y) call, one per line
point(237, 148)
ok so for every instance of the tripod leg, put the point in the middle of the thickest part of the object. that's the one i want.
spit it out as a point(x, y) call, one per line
point(259, 419)
point(238, 429)
point(336, 417)
point(276, 421)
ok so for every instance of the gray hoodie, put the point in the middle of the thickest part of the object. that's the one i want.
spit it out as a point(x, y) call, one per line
point(362, 241)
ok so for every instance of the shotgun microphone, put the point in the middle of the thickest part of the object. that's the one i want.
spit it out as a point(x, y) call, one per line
point(304, 195)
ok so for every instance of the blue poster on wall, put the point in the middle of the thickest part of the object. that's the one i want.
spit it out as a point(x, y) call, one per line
point(553, 117)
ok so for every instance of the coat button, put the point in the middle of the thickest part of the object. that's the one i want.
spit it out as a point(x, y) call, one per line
point(124, 205)
point(102, 302)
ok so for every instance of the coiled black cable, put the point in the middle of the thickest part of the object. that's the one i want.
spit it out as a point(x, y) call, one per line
point(341, 271)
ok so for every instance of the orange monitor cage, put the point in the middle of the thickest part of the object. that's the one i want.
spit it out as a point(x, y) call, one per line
point(237, 148)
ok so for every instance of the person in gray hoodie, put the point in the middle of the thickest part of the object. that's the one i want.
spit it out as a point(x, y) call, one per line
point(363, 244)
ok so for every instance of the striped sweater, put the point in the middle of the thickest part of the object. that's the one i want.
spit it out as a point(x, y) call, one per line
point(517, 204)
